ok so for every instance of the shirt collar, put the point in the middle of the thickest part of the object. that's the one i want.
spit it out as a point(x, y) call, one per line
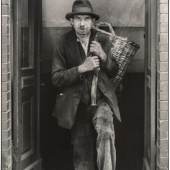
point(79, 39)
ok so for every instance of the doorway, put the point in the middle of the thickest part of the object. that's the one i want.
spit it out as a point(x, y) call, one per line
point(130, 133)
point(135, 135)
point(57, 150)
point(138, 126)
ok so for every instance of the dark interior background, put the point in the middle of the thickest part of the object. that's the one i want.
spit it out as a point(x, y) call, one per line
point(55, 141)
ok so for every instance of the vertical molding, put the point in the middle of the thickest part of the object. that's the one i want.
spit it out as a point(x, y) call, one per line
point(162, 22)
point(150, 85)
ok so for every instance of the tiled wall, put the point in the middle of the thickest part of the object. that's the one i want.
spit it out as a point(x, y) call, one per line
point(162, 77)
point(6, 87)
point(162, 121)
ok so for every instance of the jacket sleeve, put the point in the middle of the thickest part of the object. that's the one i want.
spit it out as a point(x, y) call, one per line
point(61, 76)
point(110, 66)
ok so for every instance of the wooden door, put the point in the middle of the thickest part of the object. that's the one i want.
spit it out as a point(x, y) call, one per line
point(150, 86)
point(26, 84)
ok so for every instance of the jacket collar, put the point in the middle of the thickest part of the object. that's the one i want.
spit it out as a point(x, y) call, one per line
point(75, 47)
point(92, 37)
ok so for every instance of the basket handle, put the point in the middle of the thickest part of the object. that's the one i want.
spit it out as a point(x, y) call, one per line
point(99, 24)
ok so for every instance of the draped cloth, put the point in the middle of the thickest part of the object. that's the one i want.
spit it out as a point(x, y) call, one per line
point(93, 138)
point(105, 144)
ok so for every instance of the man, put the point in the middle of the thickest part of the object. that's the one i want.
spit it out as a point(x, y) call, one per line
point(77, 57)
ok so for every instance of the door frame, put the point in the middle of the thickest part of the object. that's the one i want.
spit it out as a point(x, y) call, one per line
point(16, 83)
point(151, 49)
point(151, 38)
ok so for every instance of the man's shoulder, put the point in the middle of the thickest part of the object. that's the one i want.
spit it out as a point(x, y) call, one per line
point(66, 36)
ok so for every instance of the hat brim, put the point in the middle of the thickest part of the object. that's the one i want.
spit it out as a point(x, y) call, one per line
point(72, 14)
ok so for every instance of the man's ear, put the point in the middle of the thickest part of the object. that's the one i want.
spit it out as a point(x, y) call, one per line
point(71, 21)
point(93, 22)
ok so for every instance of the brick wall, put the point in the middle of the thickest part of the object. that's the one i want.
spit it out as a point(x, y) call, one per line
point(6, 87)
point(162, 123)
point(162, 77)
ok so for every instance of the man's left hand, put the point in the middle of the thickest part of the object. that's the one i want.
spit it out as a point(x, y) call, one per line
point(97, 50)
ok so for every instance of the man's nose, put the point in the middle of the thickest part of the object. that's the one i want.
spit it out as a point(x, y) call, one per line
point(82, 23)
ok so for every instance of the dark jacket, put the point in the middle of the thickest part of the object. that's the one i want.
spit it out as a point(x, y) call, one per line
point(67, 57)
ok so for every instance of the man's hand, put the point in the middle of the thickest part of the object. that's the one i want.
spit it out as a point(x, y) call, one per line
point(90, 64)
point(97, 50)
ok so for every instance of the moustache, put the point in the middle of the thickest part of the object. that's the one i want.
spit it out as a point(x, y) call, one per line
point(82, 27)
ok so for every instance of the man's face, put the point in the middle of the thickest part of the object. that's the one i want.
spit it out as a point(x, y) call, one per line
point(82, 24)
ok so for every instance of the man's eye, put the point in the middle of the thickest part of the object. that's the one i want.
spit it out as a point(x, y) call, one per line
point(88, 18)
point(76, 18)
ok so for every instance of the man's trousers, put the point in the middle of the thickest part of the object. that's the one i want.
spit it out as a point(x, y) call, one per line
point(93, 138)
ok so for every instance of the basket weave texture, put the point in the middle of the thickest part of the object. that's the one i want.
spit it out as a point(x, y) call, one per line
point(121, 50)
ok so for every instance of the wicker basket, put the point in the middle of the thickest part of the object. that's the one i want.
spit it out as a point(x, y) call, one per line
point(122, 51)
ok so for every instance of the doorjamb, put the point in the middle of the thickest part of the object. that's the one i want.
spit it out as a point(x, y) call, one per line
point(151, 41)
